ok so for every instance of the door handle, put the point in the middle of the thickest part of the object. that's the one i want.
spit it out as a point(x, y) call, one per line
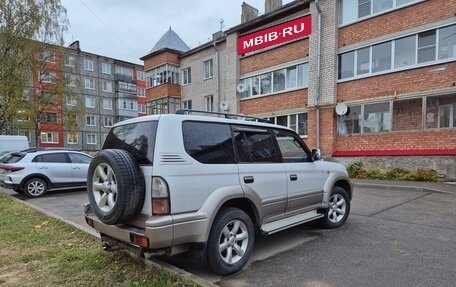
point(248, 179)
point(293, 177)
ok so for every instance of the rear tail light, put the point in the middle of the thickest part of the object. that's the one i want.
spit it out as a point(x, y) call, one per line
point(139, 240)
point(89, 222)
point(160, 196)
point(8, 168)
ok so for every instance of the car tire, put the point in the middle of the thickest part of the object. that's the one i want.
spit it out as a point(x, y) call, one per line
point(230, 241)
point(115, 186)
point(35, 187)
point(339, 207)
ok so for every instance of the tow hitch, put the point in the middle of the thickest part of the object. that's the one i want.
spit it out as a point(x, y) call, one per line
point(109, 246)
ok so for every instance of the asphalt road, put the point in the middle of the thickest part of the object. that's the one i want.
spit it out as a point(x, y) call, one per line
point(392, 238)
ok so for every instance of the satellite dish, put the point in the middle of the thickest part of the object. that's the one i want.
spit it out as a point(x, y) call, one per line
point(342, 109)
point(224, 106)
point(241, 88)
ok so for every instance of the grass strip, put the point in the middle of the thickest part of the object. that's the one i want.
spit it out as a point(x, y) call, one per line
point(38, 250)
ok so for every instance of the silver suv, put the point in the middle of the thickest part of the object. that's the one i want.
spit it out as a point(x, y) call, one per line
point(167, 184)
point(35, 171)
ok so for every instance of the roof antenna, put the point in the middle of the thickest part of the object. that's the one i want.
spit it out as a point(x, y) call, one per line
point(221, 24)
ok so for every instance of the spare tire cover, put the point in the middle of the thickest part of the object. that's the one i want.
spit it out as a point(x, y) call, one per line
point(115, 185)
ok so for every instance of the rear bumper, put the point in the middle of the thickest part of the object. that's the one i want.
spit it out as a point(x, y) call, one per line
point(163, 232)
point(8, 184)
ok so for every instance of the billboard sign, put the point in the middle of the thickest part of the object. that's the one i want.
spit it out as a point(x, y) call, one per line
point(281, 33)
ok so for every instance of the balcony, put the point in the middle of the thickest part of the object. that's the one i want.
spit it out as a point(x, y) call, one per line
point(126, 113)
point(124, 78)
point(126, 95)
point(125, 87)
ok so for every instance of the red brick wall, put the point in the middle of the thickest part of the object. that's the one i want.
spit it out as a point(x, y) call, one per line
point(443, 139)
point(328, 130)
point(160, 59)
point(289, 52)
point(398, 20)
point(311, 129)
point(416, 80)
point(274, 103)
point(161, 91)
point(407, 115)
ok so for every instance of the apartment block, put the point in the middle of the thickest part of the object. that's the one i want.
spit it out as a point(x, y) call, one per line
point(370, 80)
point(102, 90)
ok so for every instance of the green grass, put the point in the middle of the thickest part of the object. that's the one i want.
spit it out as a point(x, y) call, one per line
point(37, 250)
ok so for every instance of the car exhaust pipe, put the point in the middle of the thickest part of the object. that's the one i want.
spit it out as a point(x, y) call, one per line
point(107, 246)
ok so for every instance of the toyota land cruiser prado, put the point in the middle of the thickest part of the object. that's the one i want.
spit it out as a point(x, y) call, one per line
point(166, 184)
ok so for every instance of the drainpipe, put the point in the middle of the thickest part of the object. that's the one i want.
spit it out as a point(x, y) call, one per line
point(317, 101)
point(217, 63)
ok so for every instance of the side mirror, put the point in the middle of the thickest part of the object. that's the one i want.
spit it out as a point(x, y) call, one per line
point(316, 154)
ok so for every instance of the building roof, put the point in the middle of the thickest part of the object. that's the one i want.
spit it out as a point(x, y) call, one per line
point(272, 16)
point(170, 40)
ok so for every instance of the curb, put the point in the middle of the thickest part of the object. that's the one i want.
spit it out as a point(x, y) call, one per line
point(400, 187)
point(96, 236)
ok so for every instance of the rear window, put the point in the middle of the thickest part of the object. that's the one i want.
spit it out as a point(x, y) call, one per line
point(12, 157)
point(138, 139)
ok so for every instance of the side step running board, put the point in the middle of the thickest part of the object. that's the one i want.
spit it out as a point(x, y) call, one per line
point(279, 225)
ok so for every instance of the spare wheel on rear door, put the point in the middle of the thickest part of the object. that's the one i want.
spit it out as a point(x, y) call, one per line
point(116, 187)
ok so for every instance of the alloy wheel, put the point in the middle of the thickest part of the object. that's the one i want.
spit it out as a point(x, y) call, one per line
point(337, 208)
point(104, 187)
point(234, 240)
point(36, 188)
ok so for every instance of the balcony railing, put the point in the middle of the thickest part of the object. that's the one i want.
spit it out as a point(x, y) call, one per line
point(126, 95)
point(125, 78)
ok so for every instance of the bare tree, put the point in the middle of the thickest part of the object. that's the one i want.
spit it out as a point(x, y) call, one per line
point(26, 28)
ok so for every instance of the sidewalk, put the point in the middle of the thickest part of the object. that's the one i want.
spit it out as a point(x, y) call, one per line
point(416, 185)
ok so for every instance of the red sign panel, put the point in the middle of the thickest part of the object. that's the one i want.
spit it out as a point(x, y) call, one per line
point(281, 33)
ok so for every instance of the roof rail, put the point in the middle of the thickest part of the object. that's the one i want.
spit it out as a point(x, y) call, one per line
point(228, 116)
point(36, 149)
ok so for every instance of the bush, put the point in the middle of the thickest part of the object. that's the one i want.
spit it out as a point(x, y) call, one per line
point(427, 175)
point(354, 169)
point(374, 174)
point(398, 174)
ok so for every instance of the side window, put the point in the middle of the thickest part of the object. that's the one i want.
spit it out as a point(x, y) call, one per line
point(254, 145)
point(54, 158)
point(291, 147)
point(208, 142)
point(79, 158)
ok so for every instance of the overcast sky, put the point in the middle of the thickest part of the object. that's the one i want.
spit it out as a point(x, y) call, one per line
point(127, 30)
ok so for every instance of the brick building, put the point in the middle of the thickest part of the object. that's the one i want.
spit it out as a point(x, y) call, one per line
point(162, 71)
point(372, 80)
